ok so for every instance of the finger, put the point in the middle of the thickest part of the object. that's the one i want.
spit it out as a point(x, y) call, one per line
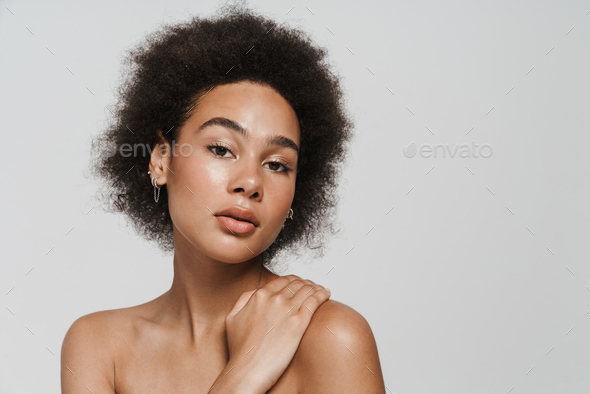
point(279, 283)
point(241, 302)
point(313, 302)
point(293, 287)
point(305, 292)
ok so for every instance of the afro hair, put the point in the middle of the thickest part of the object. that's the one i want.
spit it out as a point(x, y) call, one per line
point(173, 67)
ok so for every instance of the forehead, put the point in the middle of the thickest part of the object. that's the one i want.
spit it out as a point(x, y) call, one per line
point(258, 108)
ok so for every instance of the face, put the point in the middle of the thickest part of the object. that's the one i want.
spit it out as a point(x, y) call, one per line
point(254, 169)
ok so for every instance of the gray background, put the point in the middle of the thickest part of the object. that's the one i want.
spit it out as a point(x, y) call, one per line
point(472, 272)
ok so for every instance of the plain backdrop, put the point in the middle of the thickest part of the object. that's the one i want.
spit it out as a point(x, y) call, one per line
point(472, 271)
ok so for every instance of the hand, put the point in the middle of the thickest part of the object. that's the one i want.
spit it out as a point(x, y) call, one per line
point(265, 326)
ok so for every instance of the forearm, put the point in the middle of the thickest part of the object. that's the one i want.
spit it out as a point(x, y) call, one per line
point(236, 378)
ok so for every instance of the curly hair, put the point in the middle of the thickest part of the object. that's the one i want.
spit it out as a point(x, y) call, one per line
point(174, 67)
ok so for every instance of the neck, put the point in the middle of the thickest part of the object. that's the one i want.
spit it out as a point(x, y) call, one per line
point(205, 290)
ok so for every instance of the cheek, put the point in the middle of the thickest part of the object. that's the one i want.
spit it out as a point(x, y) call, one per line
point(281, 198)
point(192, 187)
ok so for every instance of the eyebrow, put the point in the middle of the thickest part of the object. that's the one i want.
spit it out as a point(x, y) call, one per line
point(276, 140)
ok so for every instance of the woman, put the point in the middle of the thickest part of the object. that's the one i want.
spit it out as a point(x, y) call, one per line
point(245, 128)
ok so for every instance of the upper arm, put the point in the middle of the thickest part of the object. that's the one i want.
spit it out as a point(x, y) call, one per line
point(338, 353)
point(86, 359)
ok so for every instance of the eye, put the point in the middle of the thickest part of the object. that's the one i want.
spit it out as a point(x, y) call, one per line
point(221, 150)
point(278, 164)
point(218, 148)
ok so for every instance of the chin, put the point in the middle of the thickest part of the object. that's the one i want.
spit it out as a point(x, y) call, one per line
point(229, 249)
point(237, 257)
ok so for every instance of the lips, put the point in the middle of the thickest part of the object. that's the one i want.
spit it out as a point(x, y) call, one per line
point(240, 214)
point(235, 226)
point(241, 220)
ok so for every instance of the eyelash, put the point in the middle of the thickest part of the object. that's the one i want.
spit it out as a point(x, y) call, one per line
point(217, 145)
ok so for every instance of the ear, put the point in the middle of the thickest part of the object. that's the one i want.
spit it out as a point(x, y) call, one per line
point(160, 159)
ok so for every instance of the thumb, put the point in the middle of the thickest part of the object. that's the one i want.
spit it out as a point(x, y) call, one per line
point(241, 302)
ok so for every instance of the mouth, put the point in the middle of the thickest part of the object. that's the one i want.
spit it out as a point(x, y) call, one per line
point(240, 215)
point(236, 218)
point(236, 225)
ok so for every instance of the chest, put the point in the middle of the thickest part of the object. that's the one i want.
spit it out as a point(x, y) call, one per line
point(169, 368)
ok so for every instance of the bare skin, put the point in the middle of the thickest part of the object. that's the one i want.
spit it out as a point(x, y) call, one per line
point(196, 335)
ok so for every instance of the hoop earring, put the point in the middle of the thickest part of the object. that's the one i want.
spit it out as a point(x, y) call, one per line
point(289, 216)
point(156, 188)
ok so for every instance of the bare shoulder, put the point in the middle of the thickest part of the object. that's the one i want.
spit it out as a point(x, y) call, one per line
point(89, 349)
point(338, 353)
point(343, 318)
point(99, 328)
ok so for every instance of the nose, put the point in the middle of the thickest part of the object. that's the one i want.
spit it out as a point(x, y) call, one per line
point(247, 178)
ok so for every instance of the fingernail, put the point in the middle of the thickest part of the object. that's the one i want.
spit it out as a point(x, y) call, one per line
point(328, 290)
